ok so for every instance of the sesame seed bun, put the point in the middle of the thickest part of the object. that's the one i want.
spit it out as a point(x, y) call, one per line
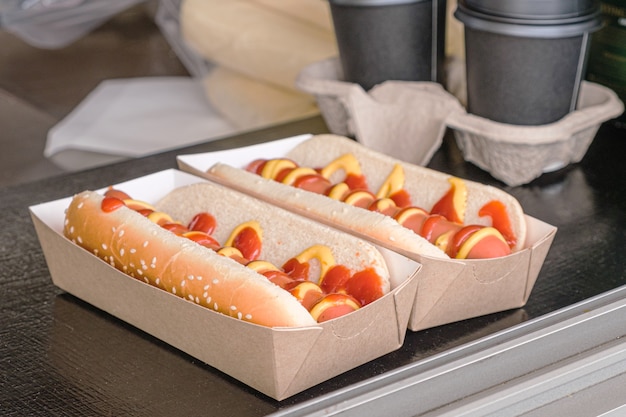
point(143, 250)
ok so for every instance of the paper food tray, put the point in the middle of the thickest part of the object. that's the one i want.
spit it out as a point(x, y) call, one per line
point(448, 290)
point(284, 361)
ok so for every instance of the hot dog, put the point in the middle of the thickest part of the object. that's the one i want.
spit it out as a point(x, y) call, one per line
point(424, 211)
point(230, 253)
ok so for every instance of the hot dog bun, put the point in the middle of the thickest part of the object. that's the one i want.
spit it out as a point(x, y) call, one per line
point(381, 228)
point(139, 247)
point(424, 185)
point(286, 234)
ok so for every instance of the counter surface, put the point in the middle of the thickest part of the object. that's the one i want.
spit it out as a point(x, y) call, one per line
point(60, 356)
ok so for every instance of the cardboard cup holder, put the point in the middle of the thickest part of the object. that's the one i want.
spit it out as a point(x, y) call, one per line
point(516, 155)
point(513, 154)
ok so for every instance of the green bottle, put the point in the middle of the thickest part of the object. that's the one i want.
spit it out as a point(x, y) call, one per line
point(607, 55)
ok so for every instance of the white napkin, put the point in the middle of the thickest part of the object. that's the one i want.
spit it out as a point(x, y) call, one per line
point(137, 117)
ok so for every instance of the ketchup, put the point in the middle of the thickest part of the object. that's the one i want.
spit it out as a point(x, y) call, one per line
point(249, 243)
point(445, 207)
point(364, 286)
point(110, 204)
point(402, 198)
point(335, 279)
point(112, 192)
point(429, 230)
point(296, 270)
point(256, 166)
point(356, 182)
point(203, 222)
point(460, 237)
point(280, 278)
point(500, 220)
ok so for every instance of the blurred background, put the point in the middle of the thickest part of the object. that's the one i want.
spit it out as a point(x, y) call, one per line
point(89, 82)
point(39, 87)
point(56, 115)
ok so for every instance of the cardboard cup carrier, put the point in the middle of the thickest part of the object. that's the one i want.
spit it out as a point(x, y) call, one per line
point(524, 58)
point(380, 40)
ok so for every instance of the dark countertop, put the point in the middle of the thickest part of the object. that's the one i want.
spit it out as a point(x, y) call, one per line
point(60, 356)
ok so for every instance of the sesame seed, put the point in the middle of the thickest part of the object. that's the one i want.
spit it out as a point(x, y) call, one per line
point(66, 222)
point(182, 283)
point(190, 297)
point(233, 308)
point(158, 281)
point(249, 316)
point(216, 281)
point(206, 287)
point(80, 239)
point(392, 239)
point(197, 300)
point(81, 204)
point(133, 250)
point(205, 294)
point(72, 229)
point(145, 244)
point(174, 290)
point(139, 272)
point(215, 306)
point(190, 277)
point(239, 315)
point(122, 251)
point(147, 280)
point(104, 246)
point(208, 300)
point(199, 277)
point(121, 233)
point(153, 260)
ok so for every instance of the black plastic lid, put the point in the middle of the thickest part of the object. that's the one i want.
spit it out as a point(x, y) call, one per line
point(535, 9)
point(372, 2)
point(529, 28)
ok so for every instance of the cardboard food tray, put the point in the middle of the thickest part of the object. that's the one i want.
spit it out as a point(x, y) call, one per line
point(278, 362)
point(448, 290)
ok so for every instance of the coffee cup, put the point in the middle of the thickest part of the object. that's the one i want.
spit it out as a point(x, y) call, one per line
point(525, 59)
point(380, 40)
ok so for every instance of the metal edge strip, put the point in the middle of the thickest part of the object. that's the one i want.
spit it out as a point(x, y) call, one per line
point(479, 366)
